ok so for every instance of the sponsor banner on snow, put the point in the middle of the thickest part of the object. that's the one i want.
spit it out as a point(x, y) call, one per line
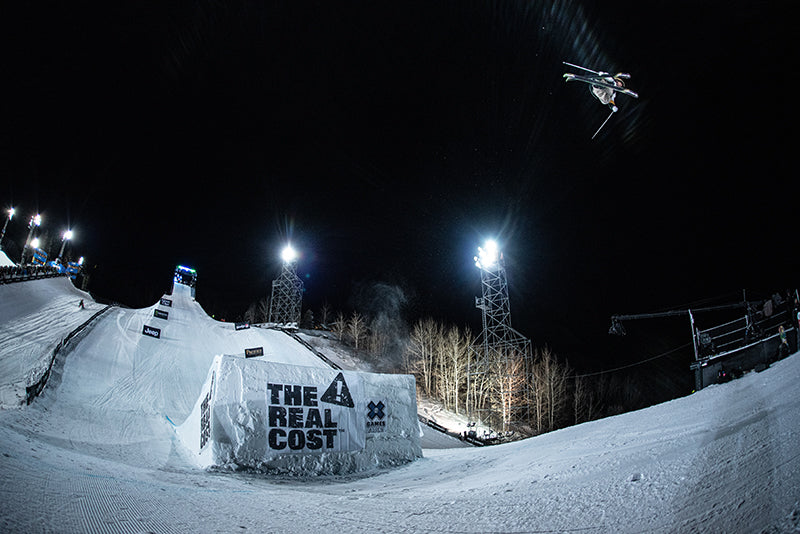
point(205, 415)
point(252, 353)
point(241, 326)
point(314, 415)
point(151, 331)
point(166, 302)
point(376, 417)
point(161, 314)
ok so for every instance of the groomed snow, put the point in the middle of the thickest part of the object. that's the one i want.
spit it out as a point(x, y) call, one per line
point(97, 453)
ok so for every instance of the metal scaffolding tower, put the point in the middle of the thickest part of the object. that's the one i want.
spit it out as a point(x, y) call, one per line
point(501, 361)
point(287, 296)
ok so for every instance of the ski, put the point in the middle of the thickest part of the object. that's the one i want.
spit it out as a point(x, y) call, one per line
point(600, 82)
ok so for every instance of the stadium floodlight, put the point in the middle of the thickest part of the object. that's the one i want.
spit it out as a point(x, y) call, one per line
point(36, 220)
point(488, 255)
point(288, 255)
point(11, 213)
point(64, 238)
point(35, 242)
point(80, 261)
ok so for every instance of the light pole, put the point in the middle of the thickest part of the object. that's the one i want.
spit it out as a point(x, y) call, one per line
point(36, 220)
point(287, 291)
point(2, 235)
point(64, 238)
point(500, 353)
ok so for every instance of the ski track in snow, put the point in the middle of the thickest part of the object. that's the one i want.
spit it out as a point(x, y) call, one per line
point(96, 452)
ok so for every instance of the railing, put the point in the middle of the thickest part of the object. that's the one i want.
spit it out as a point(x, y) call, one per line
point(740, 332)
point(33, 391)
point(9, 275)
point(310, 347)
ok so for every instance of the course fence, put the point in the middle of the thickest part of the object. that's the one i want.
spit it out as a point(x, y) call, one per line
point(33, 390)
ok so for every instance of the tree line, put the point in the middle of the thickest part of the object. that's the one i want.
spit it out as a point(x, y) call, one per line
point(544, 393)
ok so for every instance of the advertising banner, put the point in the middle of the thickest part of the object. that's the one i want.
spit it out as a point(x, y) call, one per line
point(270, 415)
point(166, 302)
point(241, 326)
point(315, 414)
point(151, 331)
point(161, 314)
point(252, 353)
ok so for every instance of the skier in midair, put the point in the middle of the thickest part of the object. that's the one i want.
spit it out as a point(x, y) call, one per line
point(606, 94)
point(603, 86)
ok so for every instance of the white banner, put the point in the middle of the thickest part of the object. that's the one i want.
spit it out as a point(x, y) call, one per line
point(318, 412)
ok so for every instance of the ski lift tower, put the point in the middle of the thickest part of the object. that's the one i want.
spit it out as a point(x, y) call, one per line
point(287, 292)
point(501, 361)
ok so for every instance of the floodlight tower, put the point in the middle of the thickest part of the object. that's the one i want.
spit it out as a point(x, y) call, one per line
point(501, 362)
point(287, 291)
point(3, 234)
point(64, 238)
point(35, 222)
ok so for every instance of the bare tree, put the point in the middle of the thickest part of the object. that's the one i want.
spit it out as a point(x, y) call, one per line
point(339, 326)
point(250, 314)
point(262, 310)
point(377, 340)
point(507, 380)
point(550, 394)
point(478, 381)
point(455, 349)
point(421, 353)
point(357, 328)
point(584, 403)
point(324, 314)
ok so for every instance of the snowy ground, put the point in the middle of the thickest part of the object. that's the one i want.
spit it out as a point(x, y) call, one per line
point(97, 453)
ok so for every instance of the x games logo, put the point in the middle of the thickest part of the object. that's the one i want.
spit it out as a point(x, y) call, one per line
point(376, 417)
point(375, 410)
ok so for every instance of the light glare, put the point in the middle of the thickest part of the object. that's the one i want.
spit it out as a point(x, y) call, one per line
point(488, 255)
point(35, 242)
point(288, 255)
point(68, 234)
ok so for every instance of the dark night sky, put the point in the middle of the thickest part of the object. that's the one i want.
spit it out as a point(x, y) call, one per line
point(387, 140)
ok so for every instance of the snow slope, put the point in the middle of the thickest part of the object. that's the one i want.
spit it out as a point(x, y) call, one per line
point(96, 453)
point(34, 317)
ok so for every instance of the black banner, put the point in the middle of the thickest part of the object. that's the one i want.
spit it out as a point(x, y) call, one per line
point(166, 302)
point(151, 331)
point(242, 326)
point(251, 353)
point(161, 314)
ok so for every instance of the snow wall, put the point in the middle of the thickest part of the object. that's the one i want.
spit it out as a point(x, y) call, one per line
point(300, 420)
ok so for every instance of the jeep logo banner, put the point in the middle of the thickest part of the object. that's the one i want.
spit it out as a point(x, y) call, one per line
point(315, 416)
point(151, 331)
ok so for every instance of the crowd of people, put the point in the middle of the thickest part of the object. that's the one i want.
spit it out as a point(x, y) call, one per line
point(26, 272)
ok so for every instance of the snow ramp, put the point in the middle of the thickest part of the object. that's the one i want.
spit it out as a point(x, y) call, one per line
point(300, 420)
point(157, 358)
